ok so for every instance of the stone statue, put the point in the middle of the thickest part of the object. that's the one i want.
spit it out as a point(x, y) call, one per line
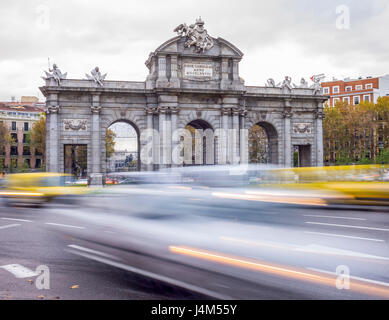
point(286, 83)
point(270, 83)
point(317, 79)
point(55, 74)
point(96, 76)
point(196, 36)
point(303, 84)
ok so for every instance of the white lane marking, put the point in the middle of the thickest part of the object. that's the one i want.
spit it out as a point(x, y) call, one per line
point(74, 246)
point(311, 248)
point(346, 226)
point(19, 271)
point(9, 226)
point(336, 251)
point(152, 275)
point(318, 216)
point(352, 277)
point(13, 219)
point(343, 236)
point(63, 225)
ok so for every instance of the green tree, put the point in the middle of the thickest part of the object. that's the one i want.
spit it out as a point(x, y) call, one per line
point(356, 134)
point(110, 142)
point(37, 136)
point(5, 137)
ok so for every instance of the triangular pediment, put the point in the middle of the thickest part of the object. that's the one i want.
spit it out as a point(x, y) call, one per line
point(221, 47)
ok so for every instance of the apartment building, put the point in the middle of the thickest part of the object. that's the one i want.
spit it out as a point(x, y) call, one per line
point(19, 116)
point(354, 91)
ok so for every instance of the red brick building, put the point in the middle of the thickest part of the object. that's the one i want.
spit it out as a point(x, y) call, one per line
point(354, 91)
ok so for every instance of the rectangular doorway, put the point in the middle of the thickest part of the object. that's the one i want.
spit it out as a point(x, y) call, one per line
point(302, 156)
point(76, 160)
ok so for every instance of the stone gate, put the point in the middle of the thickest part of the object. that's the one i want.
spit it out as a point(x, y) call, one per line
point(193, 79)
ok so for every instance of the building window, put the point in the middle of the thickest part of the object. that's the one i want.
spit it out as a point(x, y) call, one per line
point(26, 151)
point(369, 86)
point(326, 90)
point(14, 137)
point(14, 151)
point(366, 97)
point(38, 163)
point(349, 88)
point(356, 100)
point(13, 125)
point(335, 89)
point(26, 126)
point(359, 87)
point(347, 100)
point(335, 101)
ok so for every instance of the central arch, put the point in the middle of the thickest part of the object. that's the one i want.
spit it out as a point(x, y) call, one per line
point(263, 143)
point(203, 142)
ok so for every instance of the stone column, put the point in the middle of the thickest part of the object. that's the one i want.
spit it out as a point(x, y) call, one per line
point(54, 143)
point(162, 80)
point(287, 115)
point(235, 136)
point(174, 80)
point(243, 136)
point(163, 136)
point(47, 162)
point(224, 83)
point(96, 176)
point(149, 119)
point(223, 139)
point(319, 116)
point(235, 70)
point(174, 126)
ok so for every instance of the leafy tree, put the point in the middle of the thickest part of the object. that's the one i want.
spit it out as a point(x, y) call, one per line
point(37, 136)
point(258, 145)
point(5, 137)
point(110, 142)
point(356, 134)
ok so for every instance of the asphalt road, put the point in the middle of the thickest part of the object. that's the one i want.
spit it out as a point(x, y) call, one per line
point(29, 237)
point(29, 240)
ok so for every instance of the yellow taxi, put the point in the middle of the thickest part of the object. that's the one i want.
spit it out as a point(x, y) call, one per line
point(38, 188)
point(358, 184)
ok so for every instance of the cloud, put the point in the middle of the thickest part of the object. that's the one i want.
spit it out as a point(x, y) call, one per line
point(295, 37)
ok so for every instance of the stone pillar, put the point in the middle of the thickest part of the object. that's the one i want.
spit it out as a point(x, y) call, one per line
point(149, 119)
point(287, 115)
point(162, 80)
point(54, 143)
point(235, 70)
point(224, 83)
point(319, 116)
point(47, 156)
point(174, 80)
point(174, 126)
point(96, 176)
point(163, 135)
point(223, 139)
point(235, 136)
point(243, 136)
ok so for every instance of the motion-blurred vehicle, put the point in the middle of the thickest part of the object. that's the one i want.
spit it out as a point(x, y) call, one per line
point(38, 188)
point(110, 181)
point(359, 185)
point(206, 233)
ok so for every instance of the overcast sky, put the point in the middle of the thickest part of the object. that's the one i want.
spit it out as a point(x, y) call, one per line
point(298, 38)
